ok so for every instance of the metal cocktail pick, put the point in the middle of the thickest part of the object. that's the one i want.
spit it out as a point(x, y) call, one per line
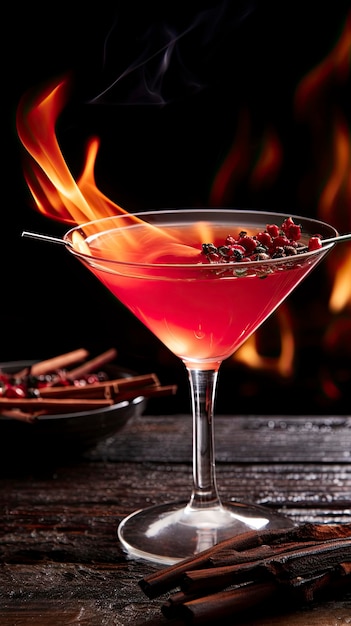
point(337, 239)
point(26, 233)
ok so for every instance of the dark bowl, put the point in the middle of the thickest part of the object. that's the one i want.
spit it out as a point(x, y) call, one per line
point(62, 436)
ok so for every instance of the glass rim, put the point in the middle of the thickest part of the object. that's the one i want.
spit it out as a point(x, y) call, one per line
point(207, 210)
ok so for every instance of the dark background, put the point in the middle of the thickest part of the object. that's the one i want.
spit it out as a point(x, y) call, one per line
point(164, 137)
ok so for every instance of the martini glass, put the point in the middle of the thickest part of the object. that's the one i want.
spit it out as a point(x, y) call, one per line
point(153, 263)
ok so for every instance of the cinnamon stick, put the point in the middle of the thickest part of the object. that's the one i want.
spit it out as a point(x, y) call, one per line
point(94, 364)
point(113, 397)
point(300, 561)
point(235, 601)
point(297, 564)
point(103, 389)
point(132, 382)
point(231, 557)
point(56, 363)
point(164, 580)
point(78, 399)
point(212, 608)
point(146, 392)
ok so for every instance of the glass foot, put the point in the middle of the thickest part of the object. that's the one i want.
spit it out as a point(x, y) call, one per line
point(169, 533)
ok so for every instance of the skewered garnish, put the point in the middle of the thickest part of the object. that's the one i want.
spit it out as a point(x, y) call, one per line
point(273, 243)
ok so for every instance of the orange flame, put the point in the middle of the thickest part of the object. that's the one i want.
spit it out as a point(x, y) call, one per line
point(282, 365)
point(234, 165)
point(269, 161)
point(335, 67)
point(341, 292)
point(49, 179)
point(337, 193)
point(239, 161)
point(313, 102)
point(341, 169)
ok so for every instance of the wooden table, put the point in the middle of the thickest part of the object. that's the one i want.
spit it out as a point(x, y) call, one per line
point(61, 562)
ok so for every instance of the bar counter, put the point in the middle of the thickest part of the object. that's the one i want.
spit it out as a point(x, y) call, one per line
point(61, 561)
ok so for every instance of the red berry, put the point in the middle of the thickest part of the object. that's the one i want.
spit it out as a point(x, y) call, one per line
point(15, 392)
point(265, 239)
point(214, 257)
point(249, 243)
point(92, 378)
point(287, 223)
point(294, 232)
point(239, 248)
point(280, 241)
point(291, 230)
point(273, 230)
point(314, 243)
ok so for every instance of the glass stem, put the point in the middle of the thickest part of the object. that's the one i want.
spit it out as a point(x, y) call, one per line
point(203, 385)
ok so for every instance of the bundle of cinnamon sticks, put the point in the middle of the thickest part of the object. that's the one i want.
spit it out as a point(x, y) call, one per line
point(266, 568)
point(56, 398)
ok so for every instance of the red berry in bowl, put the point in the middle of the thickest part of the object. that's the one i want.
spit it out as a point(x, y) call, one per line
point(15, 391)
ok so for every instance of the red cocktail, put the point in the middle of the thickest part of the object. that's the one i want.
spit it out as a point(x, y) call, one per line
point(202, 307)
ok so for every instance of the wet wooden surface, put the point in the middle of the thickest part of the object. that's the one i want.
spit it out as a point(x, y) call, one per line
point(60, 559)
